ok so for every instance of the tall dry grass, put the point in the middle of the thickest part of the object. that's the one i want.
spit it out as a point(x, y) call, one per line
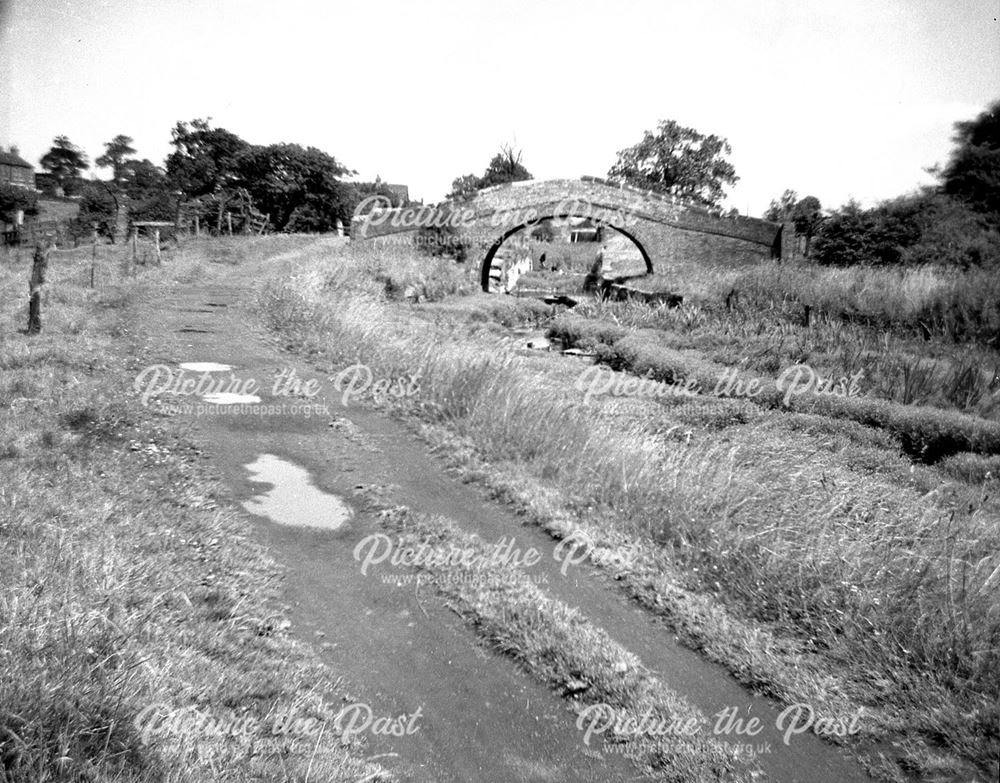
point(858, 563)
point(920, 336)
point(959, 305)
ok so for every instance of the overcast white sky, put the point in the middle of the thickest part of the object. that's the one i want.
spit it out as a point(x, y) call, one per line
point(837, 98)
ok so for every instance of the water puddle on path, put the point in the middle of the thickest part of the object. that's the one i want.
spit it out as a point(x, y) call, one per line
point(229, 398)
point(219, 398)
point(293, 499)
point(205, 366)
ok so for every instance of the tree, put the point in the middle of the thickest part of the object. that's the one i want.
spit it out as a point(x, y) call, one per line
point(116, 154)
point(445, 239)
point(358, 192)
point(298, 187)
point(64, 161)
point(852, 235)
point(807, 217)
point(505, 167)
point(957, 224)
point(846, 237)
point(973, 173)
point(464, 186)
point(204, 165)
point(951, 233)
point(806, 214)
point(678, 161)
point(98, 205)
point(149, 193)
point(204, 159)
point(781, 208)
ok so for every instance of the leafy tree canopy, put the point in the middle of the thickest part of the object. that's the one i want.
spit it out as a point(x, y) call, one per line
point(505, 167)
point(98, 205)
point(678, 161)
point(299, 187)
point(973, 172)
point(464, 186)
point(205, 159)
point(924, 228)
point(64, 161)
point(150, 194)
point(956, 224)
point(116, 154)
point(805, 213)
point(781, 207)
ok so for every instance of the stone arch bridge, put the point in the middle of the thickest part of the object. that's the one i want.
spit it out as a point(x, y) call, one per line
point(664, 229)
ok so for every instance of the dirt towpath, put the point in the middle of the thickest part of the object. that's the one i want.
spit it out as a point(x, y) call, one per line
point(400, 649)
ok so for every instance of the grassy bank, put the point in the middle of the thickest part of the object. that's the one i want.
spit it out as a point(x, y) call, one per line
point(799, 548)
point(926, 433)
point(921, 336)
point(128, 580)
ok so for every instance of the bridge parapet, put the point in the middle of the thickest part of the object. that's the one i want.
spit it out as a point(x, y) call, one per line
point(503, 207)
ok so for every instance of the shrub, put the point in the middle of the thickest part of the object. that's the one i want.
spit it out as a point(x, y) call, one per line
point(578, 332)
point(14, 199)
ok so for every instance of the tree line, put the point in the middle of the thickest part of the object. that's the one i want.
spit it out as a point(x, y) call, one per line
point(210, 172)
point(955, 222)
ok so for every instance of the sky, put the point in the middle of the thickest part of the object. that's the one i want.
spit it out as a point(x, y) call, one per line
point(838, 99)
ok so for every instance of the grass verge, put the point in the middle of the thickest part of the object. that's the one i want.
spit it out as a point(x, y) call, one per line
point(139, 626)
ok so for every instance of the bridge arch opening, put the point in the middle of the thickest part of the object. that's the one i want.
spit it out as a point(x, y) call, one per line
point(487, 264)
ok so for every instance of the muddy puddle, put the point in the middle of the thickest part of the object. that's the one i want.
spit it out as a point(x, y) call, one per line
point(293, 498)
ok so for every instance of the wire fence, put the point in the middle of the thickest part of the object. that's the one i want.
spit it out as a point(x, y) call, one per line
point(94, 264)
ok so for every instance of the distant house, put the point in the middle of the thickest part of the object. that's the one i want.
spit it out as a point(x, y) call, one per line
point(401, 192)
point(399, 195)
point(15, 170)
point(53, 214)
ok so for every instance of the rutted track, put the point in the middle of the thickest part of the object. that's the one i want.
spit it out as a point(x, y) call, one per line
point(483, 719)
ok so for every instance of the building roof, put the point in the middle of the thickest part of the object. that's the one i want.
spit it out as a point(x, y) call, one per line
point(10, 159)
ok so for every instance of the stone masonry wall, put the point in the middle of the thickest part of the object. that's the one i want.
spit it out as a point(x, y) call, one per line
point(667, 230)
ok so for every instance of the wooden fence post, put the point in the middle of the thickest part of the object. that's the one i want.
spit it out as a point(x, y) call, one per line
point(135, 246)
point(156, 240)
point(38, 267)
point(93, 256)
